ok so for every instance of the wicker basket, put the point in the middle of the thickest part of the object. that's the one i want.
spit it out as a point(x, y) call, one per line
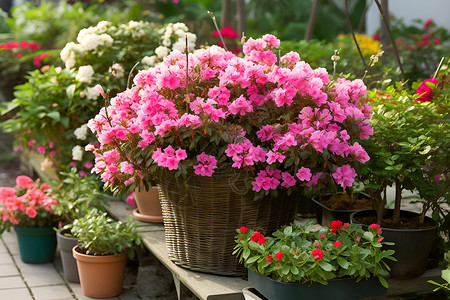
point(201, 215)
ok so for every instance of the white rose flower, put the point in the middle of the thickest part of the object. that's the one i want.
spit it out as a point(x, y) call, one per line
point(77, 153)
point(84, 32)
point(92, 93)
point(181, 26)
point(85, 74)
point(103, 25)
point(149, 61)
point(179, 45)
point(166, 42)
point(81, 132)
point(68, 54)
point(192, 39)
point(105, 39)
point(117, 70)
point(90, 42)
point(180, 33)
point(162, 51)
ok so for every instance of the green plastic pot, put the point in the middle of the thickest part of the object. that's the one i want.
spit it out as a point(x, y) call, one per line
point(36, 244)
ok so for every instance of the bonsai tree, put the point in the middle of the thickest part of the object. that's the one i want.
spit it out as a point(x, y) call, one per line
point(409, 148)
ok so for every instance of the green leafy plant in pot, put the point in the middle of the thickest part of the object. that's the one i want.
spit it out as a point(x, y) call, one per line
point(102, 251)
point(76, 195)
point(316, 261)
point(409, 150)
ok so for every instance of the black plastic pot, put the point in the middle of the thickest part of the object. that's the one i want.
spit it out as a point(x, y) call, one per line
point(66, 244)
point(412, 246)
point(344, 289)
point(326, 215)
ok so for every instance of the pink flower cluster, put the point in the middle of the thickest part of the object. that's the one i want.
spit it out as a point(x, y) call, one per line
point(286, 123)
point(28, 200)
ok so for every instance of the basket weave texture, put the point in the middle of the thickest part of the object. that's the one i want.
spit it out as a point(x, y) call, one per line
point(201, 215)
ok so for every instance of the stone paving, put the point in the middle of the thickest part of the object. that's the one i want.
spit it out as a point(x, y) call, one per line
point(21, 281)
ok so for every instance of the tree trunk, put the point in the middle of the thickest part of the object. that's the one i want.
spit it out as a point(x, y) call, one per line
point(398, 202)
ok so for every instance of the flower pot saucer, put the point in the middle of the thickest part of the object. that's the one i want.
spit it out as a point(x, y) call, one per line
point(146, 218)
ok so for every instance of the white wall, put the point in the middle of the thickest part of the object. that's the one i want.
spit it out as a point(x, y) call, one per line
point(409, 10)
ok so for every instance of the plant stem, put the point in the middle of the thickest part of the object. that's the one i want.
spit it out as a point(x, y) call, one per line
point(388, 29)
point(218, 30)
point(438, 68)
point(187, 98)
point(349, 24)
point(131, 72)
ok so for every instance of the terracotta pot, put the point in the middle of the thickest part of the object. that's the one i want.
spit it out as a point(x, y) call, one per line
point(148, 205)
point(100, 276)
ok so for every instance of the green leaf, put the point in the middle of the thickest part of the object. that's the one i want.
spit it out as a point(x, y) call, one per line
point(383, 281)
point(288, 230)
point(54, 115)
point(252, 259)
point(326, 266)
point(343, 262)
point(368, 235)
point(446, 275)
point(70, 91)
point(246, 253)
point(426, 150)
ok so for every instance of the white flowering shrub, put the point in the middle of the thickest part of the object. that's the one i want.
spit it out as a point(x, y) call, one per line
point(104, 54)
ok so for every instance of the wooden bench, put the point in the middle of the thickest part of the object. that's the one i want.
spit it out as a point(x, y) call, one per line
point(213, 287)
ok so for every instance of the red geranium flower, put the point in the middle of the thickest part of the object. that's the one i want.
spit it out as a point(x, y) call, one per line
point(258, 238)
point(317, 254)
point(243, 229)
point(269, 258)
point(279, 255)
point(335, 225)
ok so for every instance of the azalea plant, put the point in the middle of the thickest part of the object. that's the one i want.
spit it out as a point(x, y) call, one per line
point(282, 121)
point(299, 254)
point(29, 204)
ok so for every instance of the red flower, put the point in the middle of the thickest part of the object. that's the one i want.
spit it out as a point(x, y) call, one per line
point(317, 254)
point(376, 36)
point(337, 244)
point(19, 55)
point(437, 42)
point(374, 226)
point(279, 255)
point(317, 244)
point(428, 23)
point(243, 229)
point(335, 225)
point(227, 32)
point(269, 258)
point(426, 90)
point(258, 238)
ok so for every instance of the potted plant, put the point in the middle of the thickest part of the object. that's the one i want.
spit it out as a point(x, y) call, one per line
point(75, 195)
point(409, 150)
point(45, 114)
point(343, 260)
point(340, 204)
point(102, 251)
point(214, 127)
point(148, 205)
point(30, 209)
